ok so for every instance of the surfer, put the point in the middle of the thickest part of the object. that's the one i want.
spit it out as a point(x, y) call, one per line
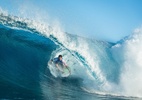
point(59, 60)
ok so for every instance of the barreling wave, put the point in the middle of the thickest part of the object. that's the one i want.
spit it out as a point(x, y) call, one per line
point(101, 66)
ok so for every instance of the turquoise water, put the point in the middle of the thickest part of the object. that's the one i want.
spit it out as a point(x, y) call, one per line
point(24, 74)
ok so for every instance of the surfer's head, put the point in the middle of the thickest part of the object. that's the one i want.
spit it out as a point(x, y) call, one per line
point(60, 57)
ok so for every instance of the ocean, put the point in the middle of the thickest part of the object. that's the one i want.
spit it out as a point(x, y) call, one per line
point(100, 70)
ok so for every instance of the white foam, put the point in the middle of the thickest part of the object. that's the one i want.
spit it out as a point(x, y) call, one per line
point(130, 57)
point(75, 44)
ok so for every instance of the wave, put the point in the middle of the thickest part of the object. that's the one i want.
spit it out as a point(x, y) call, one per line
point(128, 55)
point(27, 46)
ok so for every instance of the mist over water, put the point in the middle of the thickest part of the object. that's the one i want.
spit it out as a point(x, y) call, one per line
point(129, 57)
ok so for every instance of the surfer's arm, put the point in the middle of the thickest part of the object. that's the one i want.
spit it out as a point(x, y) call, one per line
point(58, 67)
point(64, 64)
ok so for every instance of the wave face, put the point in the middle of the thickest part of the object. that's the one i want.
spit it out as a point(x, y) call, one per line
point(98, 67)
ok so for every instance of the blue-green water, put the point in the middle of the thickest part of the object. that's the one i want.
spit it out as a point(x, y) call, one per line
point(24, 73)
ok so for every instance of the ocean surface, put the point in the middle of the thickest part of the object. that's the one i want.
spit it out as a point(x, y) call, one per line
point(100, 70)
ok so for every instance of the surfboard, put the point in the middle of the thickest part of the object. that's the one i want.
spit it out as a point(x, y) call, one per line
point(56, 72)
